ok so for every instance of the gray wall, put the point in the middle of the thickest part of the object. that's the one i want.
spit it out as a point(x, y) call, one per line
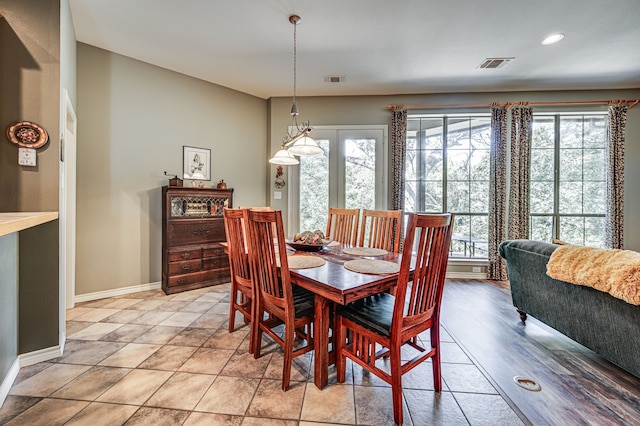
point(352, 110)
point(133, 120)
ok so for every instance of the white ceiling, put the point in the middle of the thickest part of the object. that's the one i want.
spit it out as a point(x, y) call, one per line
point(381, 46)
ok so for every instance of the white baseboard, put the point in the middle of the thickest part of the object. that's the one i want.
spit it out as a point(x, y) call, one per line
point(467, 275)
point(41, 355)
point(8, 380)
point(24, 360)
point(115, 292)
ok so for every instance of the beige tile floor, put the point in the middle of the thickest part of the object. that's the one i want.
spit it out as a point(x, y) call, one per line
point(152, 359)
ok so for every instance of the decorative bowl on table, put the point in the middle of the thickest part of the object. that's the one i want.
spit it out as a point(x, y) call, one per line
point(297, 245)
point(309, 241)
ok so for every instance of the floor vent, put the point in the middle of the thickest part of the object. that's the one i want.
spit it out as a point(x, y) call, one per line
point(526, 383)
point(493, 63)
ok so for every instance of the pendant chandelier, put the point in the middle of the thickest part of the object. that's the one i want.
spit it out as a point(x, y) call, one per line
point(299, 142)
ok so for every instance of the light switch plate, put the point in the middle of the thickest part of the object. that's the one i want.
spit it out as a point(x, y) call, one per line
point(277, 195)
point(27, 157)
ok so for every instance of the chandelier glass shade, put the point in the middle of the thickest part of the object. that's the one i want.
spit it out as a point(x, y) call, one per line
point(284, 158)
point(297, 140)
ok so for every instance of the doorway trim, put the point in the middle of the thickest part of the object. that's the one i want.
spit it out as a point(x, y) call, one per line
point(67, 211)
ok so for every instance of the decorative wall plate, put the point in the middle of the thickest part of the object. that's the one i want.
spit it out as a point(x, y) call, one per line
point(26, 134)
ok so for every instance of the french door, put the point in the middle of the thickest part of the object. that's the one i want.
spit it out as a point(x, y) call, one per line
point(352, 173)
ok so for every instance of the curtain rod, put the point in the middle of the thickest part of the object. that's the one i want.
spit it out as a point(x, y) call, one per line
point(631, 102)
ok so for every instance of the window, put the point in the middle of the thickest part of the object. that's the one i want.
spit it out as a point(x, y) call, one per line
point(351, 174)
point(447, 170)
point(568, 178)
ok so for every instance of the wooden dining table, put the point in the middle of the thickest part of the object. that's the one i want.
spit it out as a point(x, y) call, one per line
point(333, 283)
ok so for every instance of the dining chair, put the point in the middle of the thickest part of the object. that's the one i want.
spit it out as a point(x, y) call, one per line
point(285, 303)
point(342, 225)
point(242, 291)
point(381, 229)
point(394, 321)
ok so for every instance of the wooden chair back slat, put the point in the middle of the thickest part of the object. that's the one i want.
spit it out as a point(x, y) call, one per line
point(381, 229)
point(236, 244)
point(342, 226)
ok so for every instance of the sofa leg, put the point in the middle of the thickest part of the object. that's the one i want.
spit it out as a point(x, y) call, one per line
point(523, 315)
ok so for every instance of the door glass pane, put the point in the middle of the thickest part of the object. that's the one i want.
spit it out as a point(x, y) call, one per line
point(314, 189)
point(360, 174)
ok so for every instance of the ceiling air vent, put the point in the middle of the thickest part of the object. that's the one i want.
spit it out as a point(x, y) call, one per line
point(495, 62)
point(335, 78)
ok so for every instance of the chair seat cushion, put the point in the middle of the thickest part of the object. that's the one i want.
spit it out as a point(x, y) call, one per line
point(302, 301)
point(374, 313)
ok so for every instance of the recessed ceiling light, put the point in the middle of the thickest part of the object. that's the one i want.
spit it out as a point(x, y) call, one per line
point(552, 38)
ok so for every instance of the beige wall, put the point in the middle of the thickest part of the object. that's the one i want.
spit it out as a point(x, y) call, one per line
point(67, 55)
point(30, 89)
point(352, 110)
point(133, 120)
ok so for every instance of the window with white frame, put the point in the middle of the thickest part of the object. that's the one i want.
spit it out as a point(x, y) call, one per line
point(351, 173)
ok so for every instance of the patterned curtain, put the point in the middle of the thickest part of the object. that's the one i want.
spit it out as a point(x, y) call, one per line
point(398, 156)
point(496, 269)
point(614, 228)
point(521, 126)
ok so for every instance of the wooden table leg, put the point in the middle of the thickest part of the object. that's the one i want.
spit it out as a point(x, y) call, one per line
point(321, 341)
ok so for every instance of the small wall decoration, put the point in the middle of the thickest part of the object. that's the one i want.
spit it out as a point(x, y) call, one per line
point(26, 134)
point(279, 182)
point(197, 163)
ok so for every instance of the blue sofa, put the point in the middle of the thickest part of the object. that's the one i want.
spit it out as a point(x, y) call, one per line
point(607, 325)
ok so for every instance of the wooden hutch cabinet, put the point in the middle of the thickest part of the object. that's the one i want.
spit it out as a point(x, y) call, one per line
point(192, 230)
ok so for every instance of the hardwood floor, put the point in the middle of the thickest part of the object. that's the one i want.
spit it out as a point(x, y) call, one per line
point(578, 387)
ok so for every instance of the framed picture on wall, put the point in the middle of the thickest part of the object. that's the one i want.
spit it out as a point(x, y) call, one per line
point(197, 163)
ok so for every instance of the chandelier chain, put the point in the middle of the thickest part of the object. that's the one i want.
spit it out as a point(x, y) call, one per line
point(295, 54)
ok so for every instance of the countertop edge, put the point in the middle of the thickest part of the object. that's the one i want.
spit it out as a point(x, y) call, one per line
point(11, 222)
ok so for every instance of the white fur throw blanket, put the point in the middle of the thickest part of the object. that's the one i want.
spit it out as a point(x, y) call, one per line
point(616, 272)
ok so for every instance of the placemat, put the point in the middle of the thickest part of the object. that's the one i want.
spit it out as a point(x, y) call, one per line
point(364, 251)
point(372, 266)
point(303, 262)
